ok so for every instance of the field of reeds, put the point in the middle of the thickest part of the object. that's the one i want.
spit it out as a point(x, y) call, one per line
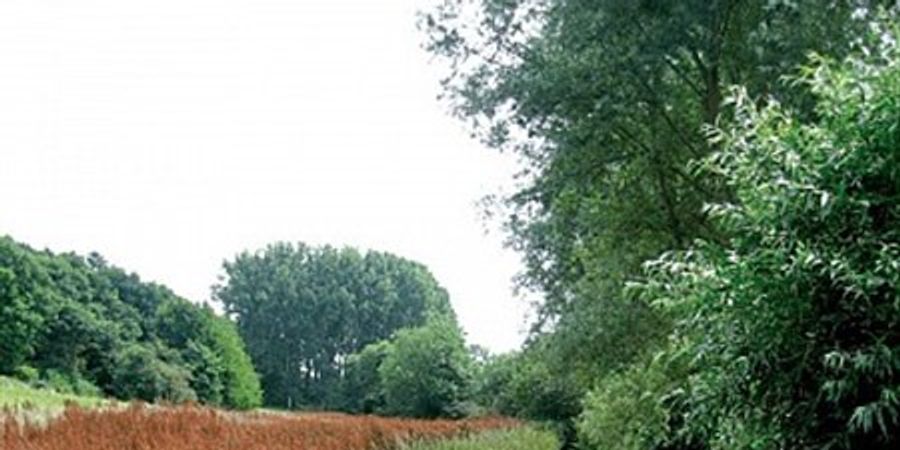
point(140, 427)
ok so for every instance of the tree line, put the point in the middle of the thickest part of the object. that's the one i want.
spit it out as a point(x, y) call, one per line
point(78, 324)
point(718, 263)
point(303, 328)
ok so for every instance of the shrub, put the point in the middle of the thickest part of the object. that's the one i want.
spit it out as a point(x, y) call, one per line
point(793, 326)
point(141, 374)
point(65, 383)
point(26, 374)
point(426, 371)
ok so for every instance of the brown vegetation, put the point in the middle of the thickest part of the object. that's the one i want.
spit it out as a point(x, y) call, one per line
point(193, 428)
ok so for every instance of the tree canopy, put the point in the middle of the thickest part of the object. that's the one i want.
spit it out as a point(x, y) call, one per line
point(86, 325)
point(303, 311)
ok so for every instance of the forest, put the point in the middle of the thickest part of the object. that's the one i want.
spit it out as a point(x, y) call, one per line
point(708, 208)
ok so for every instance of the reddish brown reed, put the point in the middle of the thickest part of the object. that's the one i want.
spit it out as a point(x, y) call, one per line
point(194, 428)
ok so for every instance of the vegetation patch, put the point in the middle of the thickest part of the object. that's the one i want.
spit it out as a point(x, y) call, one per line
point(195, 428)
point(524, 438)
point(15, 394)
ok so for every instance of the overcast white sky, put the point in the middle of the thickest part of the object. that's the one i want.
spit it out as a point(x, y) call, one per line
point(169, 135)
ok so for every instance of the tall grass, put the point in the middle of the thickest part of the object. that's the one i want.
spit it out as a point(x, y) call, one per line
point(193, 428)
point(15, 394)
point(523, 438)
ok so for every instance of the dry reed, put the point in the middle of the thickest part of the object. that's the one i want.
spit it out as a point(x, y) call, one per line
point(194, 428)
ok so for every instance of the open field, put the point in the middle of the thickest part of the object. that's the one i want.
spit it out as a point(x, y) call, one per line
point(183, 428)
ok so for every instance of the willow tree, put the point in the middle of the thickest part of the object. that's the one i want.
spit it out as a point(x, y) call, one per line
point(606, 103)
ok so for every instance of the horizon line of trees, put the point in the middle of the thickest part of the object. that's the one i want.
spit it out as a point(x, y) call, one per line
point(303, 328)
point(78, 324)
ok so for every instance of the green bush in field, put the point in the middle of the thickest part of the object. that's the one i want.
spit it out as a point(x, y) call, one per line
point(26, 374)
point(68, 384)
point(426, 371)
point(637, 408)
point(210, 347)
point(142, 374)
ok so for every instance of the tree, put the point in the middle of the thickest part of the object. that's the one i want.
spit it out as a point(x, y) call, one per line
point(302, 311)
point(80, 323)
point(792, 326)
point(20, 324)
point(221, 372)
point(21, 304)
point(605, 103)
point(426, 371)
point(242, 388)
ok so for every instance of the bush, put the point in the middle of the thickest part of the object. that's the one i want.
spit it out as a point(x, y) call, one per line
point(26, 374)
point(637, 408)
point(793, 327)
point(426, 371)
point(141, 374)
point(65, 383)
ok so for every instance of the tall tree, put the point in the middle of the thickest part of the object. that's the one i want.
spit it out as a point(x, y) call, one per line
point(304, 310)
point(605, 101)
point(607, 104)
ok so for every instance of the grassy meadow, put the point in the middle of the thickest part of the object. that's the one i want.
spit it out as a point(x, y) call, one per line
point(523, 438)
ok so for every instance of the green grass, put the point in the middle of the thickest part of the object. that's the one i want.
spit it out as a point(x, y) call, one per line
point(17, 395)
point(524, 438)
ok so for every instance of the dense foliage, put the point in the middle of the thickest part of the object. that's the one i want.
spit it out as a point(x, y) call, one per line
point(793, 325)
point(608, 105)
point(426, 371)
point(80, 324)
point(304, 312)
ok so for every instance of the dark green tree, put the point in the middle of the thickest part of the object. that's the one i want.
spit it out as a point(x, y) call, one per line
point(142, 373)
point(81, 324)
point(302, 311)
point(606, 103)
point(24, 304)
